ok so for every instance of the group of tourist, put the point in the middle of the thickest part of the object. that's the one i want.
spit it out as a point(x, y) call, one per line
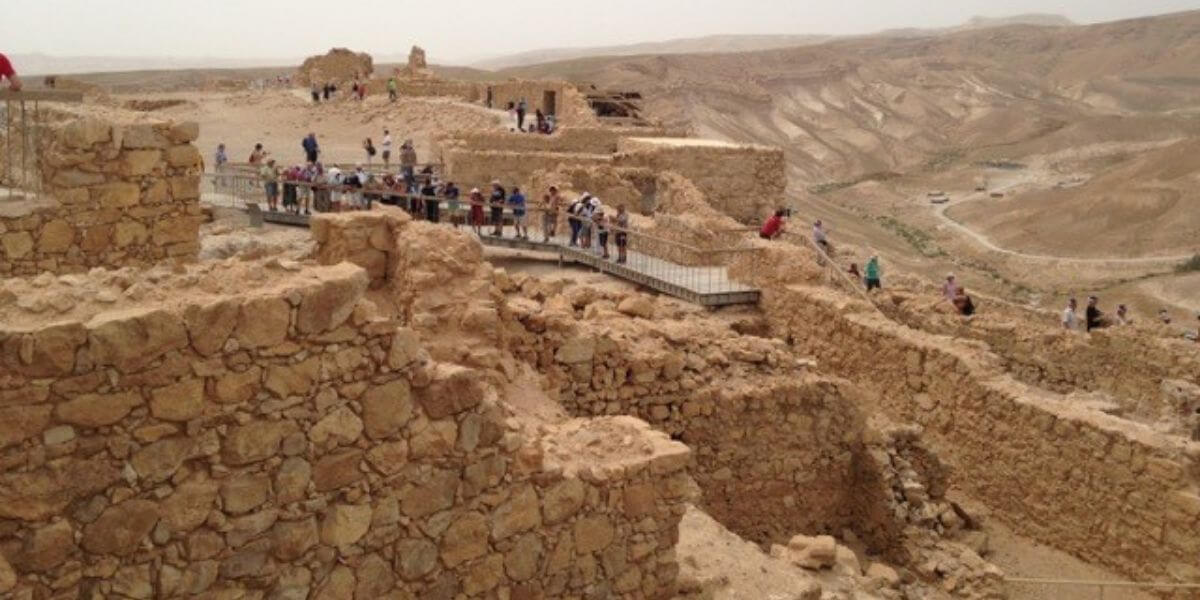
point(776, 225)
point(1094, 318)
point(543, 123)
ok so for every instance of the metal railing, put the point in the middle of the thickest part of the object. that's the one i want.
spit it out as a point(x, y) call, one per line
point(647, 258)
point(21, 168)
point(1103, 587)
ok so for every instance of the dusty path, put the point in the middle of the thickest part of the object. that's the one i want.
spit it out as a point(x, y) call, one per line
point(983, 240)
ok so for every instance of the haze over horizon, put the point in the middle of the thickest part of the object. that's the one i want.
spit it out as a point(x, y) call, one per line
point(459, 31)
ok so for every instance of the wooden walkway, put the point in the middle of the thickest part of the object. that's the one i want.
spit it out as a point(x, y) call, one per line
point(706, 286)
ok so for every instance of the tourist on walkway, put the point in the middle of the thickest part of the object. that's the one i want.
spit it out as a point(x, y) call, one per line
point(257, 155)
point(387, 149)
point(522, 107)
point(499, 196)
point(517, 202)
point(574, 214)
point(220, 160)
point(408, 164)
point(392, 92)
point(433, 207)
point(601, 224)
point(312, 175)
point(270, 177)
point(586, 225)
point(950, 288)
point(311, 149)
point(551, 203)
point(1069, 318)
point(622, 233)
point(450, 193)
point(369, 148)
point(774, 226)
point(872, 275)
point(476, 201)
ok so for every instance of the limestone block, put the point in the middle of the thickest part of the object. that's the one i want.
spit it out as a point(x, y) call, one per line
point(293, 380)
point(386, 408)
point(336, 470)
point(466, 539)
point(211, 324)
point(176, 230)
point(188, 507)
point(131, 339)
point(328, 305)
point(341, 425)
point(431, 496)
point(121, 528)
point(83, 133)
point(139, 162)
point(129, 233)
point(415, 558)
point(185, 188)
point(484, 575)
point(563, 500)
point(293, 538)
point(56, 237)
point(338, 586)
point(48, 547)
point(254, 441)
point(388, 458)
point(183, 156)
point(97, 410)
point(375, 578)
point(637, 306)
point(263, 322)
point(160, 460)
point(453, 390)
point(235, 388)
point(19, 423)
point(519, 514)
point(96, 239)
point(593, 533)
point(142, 136)
point(17, 245)
point(344, 524)
point(117, 194)
point(182, 401)
point(524, 561)
point(183, 132)
point(243, 494)
point(291, 481)
point(406, 346)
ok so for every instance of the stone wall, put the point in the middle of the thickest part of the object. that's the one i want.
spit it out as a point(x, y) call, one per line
point(114, 195)
point(572, 107)
point(1106, 489)
point(585, 140)
point(477, 168)
point(746, 182)
point(288, 442)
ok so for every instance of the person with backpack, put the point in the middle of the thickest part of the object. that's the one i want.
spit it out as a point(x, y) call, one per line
point(432, 205)
point(872, 271)
point(369, 147)
point(573, 213)
point(476, 200)
point(499, 196)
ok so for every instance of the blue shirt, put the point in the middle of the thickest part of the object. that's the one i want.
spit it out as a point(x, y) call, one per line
point(517, 201)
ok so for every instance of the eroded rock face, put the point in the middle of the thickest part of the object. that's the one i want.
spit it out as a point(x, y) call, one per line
point(337, 66)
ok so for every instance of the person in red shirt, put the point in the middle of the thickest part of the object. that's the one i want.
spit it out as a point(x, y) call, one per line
point(8, 72)
point(773, 228)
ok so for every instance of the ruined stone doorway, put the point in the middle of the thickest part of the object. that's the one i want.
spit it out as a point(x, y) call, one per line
point(549, 102)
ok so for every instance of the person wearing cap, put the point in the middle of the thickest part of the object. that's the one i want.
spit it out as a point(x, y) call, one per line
point(270, 177)
point(476, 201)
point(496, 202)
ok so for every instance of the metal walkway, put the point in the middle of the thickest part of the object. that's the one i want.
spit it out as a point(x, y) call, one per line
point(703, 285)
point(706, 286)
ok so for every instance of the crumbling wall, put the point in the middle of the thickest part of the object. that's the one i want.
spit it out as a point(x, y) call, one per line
point(337, 66)
point(288, 442)
point(113, 194)
point(477, 168)
point(1111, 491)
point(586, 140)
point(746, 182)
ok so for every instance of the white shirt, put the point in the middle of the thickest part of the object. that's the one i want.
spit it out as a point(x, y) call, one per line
point(1068, 318)
point(818, 234)
point(387, 142)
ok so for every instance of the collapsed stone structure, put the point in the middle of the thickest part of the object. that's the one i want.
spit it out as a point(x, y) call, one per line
point(338, 66)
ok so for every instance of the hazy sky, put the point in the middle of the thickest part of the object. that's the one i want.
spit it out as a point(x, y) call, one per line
point(458, 30)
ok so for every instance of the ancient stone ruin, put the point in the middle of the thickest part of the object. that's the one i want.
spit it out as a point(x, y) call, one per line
point(337, 66)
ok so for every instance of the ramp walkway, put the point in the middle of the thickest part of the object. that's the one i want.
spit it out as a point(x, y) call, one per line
point(692, 274)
